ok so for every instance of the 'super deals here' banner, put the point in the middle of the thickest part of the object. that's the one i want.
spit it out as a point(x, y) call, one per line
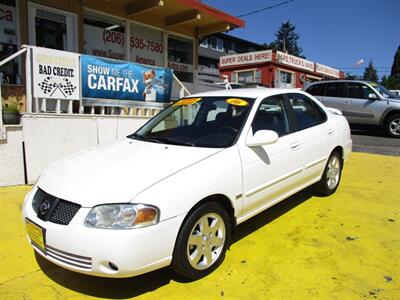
point(110, 79)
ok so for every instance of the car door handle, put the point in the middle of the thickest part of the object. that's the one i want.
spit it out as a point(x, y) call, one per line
point(331, 132)
point(349, 101)
point(295, 146)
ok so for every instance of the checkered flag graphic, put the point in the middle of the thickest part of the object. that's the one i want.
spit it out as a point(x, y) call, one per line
point(46, 86)
point(68, 87)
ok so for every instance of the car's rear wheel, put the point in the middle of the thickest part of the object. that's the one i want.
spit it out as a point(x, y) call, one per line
point(202, 241)
point(393, 126)
point(331, 176)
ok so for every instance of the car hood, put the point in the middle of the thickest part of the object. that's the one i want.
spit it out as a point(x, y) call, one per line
point(117, 172)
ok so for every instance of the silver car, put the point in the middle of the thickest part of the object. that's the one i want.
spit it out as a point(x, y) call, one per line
point(360, 102)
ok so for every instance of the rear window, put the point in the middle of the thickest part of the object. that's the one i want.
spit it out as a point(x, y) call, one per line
point(317, 89)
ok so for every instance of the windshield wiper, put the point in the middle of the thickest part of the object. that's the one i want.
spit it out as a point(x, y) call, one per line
point(144, 138)
point(159, 139)
point(175, 142)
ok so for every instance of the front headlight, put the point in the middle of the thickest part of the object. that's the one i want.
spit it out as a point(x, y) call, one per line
point(122, 216)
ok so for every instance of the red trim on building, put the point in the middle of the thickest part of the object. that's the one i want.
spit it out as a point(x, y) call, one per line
point(195, 4)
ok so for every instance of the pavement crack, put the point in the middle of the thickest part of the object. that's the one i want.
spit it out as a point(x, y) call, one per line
point(19, 277)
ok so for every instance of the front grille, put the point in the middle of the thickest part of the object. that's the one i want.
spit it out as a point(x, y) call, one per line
point(64, 212)
point(70, 259)
point(53, 209)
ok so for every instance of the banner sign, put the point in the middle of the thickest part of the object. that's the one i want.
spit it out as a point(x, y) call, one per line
point(119, 80)
point(55, 74)
point(325, 70)
point(294, 61)
point(246, 58)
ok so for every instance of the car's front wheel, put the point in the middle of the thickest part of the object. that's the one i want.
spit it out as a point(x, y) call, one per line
point(331, 177)
point(202, 241)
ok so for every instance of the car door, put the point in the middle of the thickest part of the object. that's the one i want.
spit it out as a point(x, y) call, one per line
point(315, 134)
point(270, 171)
point(334, 95)
point(363, 105)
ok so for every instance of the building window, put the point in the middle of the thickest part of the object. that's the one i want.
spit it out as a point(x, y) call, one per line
point(204, 43)
point(285, 79)
point(146, 45)
point(9, 73)
point(180, 57)
point(246, 77)
point(217, 43)
point(103, 37)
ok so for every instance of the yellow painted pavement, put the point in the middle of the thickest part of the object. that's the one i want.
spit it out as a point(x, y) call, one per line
point(346, 246)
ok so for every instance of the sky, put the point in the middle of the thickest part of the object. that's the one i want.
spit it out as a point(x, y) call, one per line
point(336, 33)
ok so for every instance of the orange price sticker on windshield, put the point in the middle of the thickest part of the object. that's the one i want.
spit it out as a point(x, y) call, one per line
point(237, 102)
point(187, 101)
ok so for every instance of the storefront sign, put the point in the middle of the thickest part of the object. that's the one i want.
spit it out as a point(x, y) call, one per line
point(111, 79)
point(55, 74)
point(294, 61)
point(246, 58)
point(8, 25)
point(103, 43)
point(325, 70)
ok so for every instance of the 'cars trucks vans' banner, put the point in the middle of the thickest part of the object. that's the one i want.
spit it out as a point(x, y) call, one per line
point(110, 79)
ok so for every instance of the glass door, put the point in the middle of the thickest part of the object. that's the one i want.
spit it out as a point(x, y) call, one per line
point(52, 28)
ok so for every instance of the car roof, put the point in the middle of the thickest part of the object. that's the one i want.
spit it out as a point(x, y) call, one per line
point(340, 80)
point(246, 92)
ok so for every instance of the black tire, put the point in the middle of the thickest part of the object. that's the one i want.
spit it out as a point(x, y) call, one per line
point(392, 126)
point(185, 255)
point(331, 177)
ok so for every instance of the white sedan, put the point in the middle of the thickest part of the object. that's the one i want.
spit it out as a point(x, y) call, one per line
point(172, 192)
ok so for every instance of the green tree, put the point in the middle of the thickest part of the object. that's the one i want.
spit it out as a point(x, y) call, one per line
point(286, 40)
point(396, 64)
point(370, 73)
point(393, 81)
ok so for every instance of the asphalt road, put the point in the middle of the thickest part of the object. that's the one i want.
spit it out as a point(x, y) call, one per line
point(374, 141)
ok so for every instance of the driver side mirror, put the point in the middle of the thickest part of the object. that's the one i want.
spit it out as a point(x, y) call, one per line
point(372, 96)
point(262, 137)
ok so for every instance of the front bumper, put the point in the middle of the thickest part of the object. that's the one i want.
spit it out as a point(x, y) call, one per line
point(91, 250)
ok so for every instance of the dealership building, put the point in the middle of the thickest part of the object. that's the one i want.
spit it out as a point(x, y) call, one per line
point(163, 33)
point(274, 69)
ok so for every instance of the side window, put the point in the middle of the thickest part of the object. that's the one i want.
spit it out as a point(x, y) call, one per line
point(317, 89)
point(307, 112)
point(359, 90)
point(271, 115)
point(335, 89)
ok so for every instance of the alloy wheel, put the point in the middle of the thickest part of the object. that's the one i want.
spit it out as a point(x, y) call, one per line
point(333, 173)
point(394, 126)
point(206, 241)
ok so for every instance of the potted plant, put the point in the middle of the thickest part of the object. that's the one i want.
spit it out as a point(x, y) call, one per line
point(11, 113)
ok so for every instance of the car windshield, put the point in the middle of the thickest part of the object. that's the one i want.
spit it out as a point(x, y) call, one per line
point(213, 122)
point(385, 92)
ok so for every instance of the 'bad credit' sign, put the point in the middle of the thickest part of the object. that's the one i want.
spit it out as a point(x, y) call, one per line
point(245, 58)
point(55, 74)
point(112, 79)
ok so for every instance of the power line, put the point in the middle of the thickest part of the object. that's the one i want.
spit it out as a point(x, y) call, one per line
point(265, 8)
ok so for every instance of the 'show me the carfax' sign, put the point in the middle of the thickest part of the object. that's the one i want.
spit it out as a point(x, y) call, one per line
point(119, 80)
point(56, 74)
